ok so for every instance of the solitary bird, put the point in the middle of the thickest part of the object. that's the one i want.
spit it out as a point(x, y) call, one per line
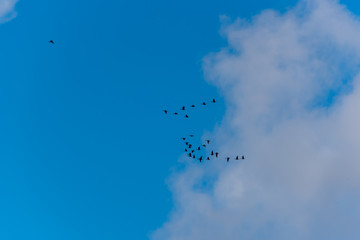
point(165, 111)
point(208, 141)
point(213, 100)
point(51, 41)
point(227, 159)
point(216, 154)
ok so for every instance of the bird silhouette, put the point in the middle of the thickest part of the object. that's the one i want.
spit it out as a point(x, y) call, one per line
point(193, 156)
point(192, 105)
point(175, 113)
point(191, 135)
point(237, 158)
point(165, 111)
point(183, 108)
point(207, 158)
point(200, 158)
point(227, 159)
point(243, 157)
point(190, 145)
point(213, 100)
point(192, 151)
point(186, 150)
point(216, 154)
point(198, 149)
point(204, 145)
point(183, 139)
point(208, 141)
point(187, 143)
point(186, 116)
point(212, 153)
point(204, 103)
point(189, 154)
point(51, 41)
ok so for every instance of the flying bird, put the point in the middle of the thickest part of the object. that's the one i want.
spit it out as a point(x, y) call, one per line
point(192, 105)
point(190, 145)
point(237, 158)
point(243, 157)
point(191, 135)
point(51, 41)
point(189, 154)
point(204, 103)
point(186, 116)
point(186, 150)
point(216, 154)
point(192, 151)
point(213, 100)
point(227, 159)
point(187, 143)
point(207, 158)
point(204, 145)
point(183, 139)
point(200, 158)
point(175, 113)
point(212, 153)
point(183, 108)
point(208, 141)
point(198, 149)
point(165, 111)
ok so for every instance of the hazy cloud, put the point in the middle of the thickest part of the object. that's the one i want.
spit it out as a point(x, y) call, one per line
point(292, 90)
point(7, 11)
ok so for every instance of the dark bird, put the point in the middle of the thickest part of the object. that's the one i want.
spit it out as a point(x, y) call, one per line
point(183, 108)
point(186, 116)
point(227, 159)
point(207, 158)
point(208, 141)
point(175, 113)
point(243, 157)
point(216, 154)
point(187, 143)
point(193, 156)
point(200, 158)
point(212, 153)
point(213, 100)
point(191, 135)
point(51, 41)
point(237, 158)
point(204, 103)
point(165, 111)
point(189, 154)
point(190, 145)
point(204, 145)
point(185, 150)
point(192, 105)
point(192, 151)
point(183, 139)
point(198, 149)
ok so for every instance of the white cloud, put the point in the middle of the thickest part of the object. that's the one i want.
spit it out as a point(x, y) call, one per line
point(301, 178)
point(7, 11)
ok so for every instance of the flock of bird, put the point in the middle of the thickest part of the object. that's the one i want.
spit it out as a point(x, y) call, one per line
point(184, 108)
point(190, 148)
point(192, 151)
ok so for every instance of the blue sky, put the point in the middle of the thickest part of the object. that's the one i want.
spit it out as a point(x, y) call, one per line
point(85, 149)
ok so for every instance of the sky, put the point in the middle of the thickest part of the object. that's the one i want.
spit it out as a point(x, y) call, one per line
point(87, 153)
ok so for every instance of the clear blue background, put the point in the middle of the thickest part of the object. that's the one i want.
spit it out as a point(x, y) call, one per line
point(85, 148)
